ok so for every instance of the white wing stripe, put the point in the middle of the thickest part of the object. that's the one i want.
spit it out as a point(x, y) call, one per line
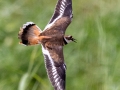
point(63, 3)
point(62, 8)
point(64, 0)
point(54, 71)
point(47, 53)
point(55, 76)
point(49, 25)
point(56, 80)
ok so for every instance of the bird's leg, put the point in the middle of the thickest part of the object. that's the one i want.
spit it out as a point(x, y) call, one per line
point(68, 39)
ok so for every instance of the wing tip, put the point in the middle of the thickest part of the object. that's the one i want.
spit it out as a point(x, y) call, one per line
point(55, 72)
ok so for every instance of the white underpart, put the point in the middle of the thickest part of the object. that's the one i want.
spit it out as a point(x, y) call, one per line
point(25, 25)
point(62, 8)
point(54, 71)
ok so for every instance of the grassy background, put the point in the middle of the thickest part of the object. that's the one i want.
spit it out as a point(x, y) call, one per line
point(93, 63)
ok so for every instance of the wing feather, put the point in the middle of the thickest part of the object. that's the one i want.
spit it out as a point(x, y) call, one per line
point(63, 9)
point(55, 70)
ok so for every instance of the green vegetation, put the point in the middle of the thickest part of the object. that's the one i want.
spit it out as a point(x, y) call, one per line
point(93, 63)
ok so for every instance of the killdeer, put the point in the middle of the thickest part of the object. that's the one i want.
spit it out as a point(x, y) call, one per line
point(52, 40)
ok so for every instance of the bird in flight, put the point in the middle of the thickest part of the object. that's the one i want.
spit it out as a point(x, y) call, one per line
point(52, 39)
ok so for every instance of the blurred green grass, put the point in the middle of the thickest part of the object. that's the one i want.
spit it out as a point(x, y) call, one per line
point(92, 63)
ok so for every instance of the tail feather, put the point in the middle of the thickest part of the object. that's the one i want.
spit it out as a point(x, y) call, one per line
point(29, 34)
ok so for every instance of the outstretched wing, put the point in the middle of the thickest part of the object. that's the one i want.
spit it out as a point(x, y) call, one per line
point(62, 15)
point(55, 66)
